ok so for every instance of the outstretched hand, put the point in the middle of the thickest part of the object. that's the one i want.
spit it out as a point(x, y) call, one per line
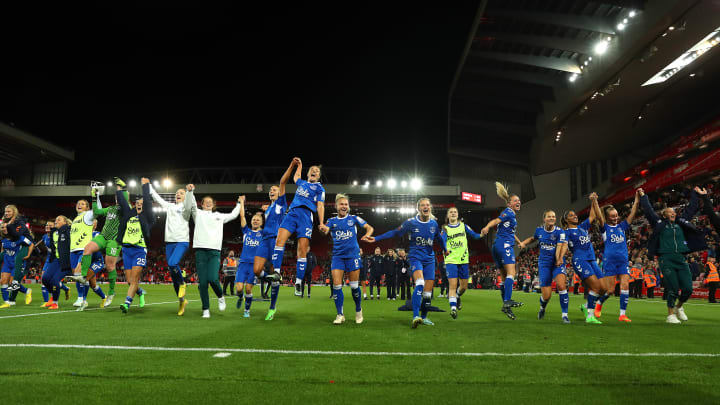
point(484, 231)
point(641, 192)
point(190, 187)
point(368, 239)
point(145, 180)
point(324, 228)
point(701, 191)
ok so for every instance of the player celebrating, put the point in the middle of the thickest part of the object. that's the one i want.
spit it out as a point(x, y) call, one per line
point(615, 256)
point(309, 198)
point(177, 240)
point(207, 242)
point(583, 256)
point(346, 255)
point(245, 276)
point(60, 242)
point(551, 263)
point(425, 232)
point(274, 214)
point(502, 250)
point(11, 247)
point(106, 240)
point(96, 266)
point(456, 265)
point(134, 233)
point(17, 230)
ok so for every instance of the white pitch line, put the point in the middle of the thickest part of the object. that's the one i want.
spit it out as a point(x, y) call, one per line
point(51, 312)
point(351, 353)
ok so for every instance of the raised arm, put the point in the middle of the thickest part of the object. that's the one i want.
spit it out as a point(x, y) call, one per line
point(286, 176)
point(243, 220)
point(648, 210)
point(708, 208)
point(190, 205)
point(693, 206)
point(156, 197)
point(593, 207)
point(97, 207)
point(147, 202)
point(234, 213)
point(298, 169)
point(633, 211)
point(123, 203)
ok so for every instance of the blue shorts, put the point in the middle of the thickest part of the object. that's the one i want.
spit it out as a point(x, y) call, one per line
point(547, 273)
point(51, 266)
point(266, 248)
point(587, 268)
point(97, 265)
point(245, 274)
point(428, 268)
point(133, 256)
point(8, 265)
point(503, 253)
point(75, 258)
point(460, 271)
point(346, 264)
point(299, 221)
point(615, 269)
point(174, 252)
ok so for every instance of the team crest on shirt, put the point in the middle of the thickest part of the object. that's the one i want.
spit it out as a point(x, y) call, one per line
point(349, 222)
point(313, 188)
point(432, 229)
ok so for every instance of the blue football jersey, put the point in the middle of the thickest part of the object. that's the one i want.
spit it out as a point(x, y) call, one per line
point(307, 195)
point(273, 217)
point(615, 243)
point(344, 235)
point(549, 242)
point(251, 241)
point(506, 227)
point(48, 243)
point(579, 241)
point(422, 235)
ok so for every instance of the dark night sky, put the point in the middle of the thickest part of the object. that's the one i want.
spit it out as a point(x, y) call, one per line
point(186, 87)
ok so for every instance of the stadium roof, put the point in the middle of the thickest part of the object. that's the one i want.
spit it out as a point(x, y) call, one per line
point(531, 69)
point(18, 147)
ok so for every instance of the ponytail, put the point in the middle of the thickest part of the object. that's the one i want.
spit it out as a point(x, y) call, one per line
point(502, 191)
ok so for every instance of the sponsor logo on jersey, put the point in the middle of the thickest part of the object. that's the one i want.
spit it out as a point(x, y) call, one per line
point(301, 191)
point(617, 238)
point(423, 241)
point(343, 235)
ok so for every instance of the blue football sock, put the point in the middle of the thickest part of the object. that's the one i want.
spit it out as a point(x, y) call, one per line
point(339, 298)
point(356, 297)
point(624, 298)
point(592, 297)
point(45, 294)
point(425, 303)
point(79, 288)
point(604, 298)
point(86, 290)
point(99, 292)
point(5, 294)
point(417, 300)
point(128, 300)
point(564, 301)
point(274, 291)
point(23, 289)
point(140, 291)
point(509, 281)
point(248, 301)
point(64, 287)
point(300, 273)
point(277, 257)
point(453, 302)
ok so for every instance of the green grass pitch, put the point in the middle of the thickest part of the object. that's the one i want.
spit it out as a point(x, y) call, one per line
point(110, 375)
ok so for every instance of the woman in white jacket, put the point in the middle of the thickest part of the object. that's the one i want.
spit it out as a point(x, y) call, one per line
point(207, 242)
point(177, 239)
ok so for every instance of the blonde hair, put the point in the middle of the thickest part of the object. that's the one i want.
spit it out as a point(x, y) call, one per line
point(417, 207)
point(502, 191)
point(14, 209)
point(65, 219)
point(340, 196)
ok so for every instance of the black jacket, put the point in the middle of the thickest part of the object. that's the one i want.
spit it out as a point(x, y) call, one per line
point(403, 263)
point(63, 247)
point(712, 216)
point(693, 236)
point(389, 265)
point(375, 265)
point(147, 219)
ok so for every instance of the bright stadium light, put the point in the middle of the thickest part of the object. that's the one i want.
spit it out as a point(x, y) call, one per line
point(156, 184)
point(367, 183)
point(686, 58)
point(354, 183)
point(415, 184)
point(167, 183)
point(601, 47)
point(632, 14)
point(403, 184)
point(132, 183)
point(391, 183)
point(573, 77)
point(109, 183)
point(379, 183)
point(621, 26)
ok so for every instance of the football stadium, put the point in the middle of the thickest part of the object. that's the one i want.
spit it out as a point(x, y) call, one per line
point(494, 201)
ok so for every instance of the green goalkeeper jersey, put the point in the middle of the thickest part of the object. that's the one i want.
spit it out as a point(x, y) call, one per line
point(112, 219)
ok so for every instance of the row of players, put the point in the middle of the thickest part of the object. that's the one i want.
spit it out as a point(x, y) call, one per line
point(127, 230)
